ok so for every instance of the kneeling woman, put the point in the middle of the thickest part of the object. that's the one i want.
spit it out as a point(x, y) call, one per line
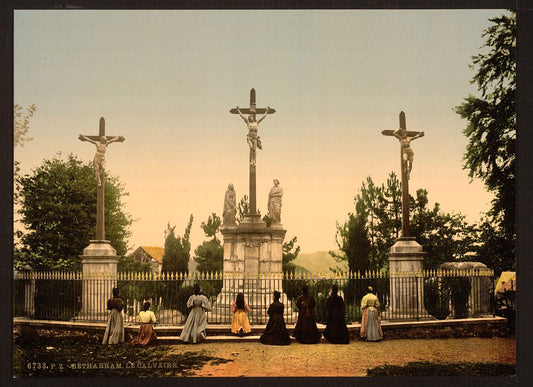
point(240, 325)
point(146, 331)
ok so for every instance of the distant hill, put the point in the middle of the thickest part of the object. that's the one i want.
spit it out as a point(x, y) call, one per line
point(319, 262)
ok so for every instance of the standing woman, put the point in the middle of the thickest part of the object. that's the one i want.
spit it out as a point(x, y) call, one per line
point(336, 331)
point(195, 327)
point(240, 325)
point(146, 331)
point(276, 331)
point(306, 331)
point(370, 322)
point(114, 331)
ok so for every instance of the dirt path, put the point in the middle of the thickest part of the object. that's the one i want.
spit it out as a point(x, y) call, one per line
point(254, 359)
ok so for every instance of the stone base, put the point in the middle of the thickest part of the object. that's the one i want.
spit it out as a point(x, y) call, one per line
point(99, 267)
point(406, 291)
point(252, 265)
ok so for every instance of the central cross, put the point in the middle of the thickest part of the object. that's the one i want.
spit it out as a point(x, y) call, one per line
point(101, 141)
point(253, 140)
point(406, 154)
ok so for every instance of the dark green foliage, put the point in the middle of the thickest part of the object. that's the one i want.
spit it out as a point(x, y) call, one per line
point(436, 298)
point(459, 288)
point(175, 260)
point(177, 250)
point(57, 300)
point(58, 209)
point(209, 256)
point(366, 238)
point(128, 264)
point(424, 368)
point(289, 253)
point(183, 294)
point(89, 350)
point(491, 151)
point(444, 237)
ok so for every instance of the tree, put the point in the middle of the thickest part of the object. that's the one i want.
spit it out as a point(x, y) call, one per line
point(491, 131)
point(177, 250)
point(21, 123)
point(444, 237)
point(366, 237)
point(289, 253)
point(58, 209)
point(210, 254)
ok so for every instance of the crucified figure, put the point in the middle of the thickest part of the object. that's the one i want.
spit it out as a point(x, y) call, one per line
point(99, 157)
point(254, 141)
point(405, 143)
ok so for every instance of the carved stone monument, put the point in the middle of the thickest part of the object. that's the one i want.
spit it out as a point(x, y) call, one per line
point(252, 250)
point(406, 255)
point(99, 259)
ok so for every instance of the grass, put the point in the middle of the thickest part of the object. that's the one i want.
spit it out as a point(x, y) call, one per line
point(447, 369)
point(87, 357)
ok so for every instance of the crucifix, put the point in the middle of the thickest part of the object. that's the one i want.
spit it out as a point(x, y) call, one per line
point(101, 141)
point(406, 155)
point(253, 140)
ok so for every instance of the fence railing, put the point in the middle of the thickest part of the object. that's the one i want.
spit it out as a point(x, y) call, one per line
point(73, 296)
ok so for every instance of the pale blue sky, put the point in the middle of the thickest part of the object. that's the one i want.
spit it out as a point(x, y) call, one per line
point(166, 80)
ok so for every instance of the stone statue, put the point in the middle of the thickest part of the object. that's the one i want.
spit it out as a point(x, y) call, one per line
point(407, 153)
point(99, 157)
point(274, 202)
point(254, 141)
point(230, 207)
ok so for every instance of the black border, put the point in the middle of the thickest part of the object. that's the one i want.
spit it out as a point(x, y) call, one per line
point(524, 194)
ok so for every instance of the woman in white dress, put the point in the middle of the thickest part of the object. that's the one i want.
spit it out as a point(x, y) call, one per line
point(195, 327)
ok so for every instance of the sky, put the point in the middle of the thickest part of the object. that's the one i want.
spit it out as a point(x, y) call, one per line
point(166, 80)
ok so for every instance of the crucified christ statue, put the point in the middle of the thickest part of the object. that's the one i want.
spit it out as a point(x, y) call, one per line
point(253, 140)
point(99, 157)
point(405, 144)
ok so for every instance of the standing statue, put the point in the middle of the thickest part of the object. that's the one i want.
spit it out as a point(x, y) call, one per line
point(253, 140)
point(99, 157)
point(230, 207)
point(407, 153)
point(274, 202)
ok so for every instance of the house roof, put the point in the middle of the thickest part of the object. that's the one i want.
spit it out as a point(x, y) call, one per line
point(153, 251)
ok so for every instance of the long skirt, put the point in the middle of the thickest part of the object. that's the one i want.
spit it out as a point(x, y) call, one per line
point(146, 335)
point(371, 326)
point(240, 321)
point(194, 330)
point(276, 332)
point(114, 331)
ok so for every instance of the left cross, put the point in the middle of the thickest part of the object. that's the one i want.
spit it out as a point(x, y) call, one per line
point(101, 141)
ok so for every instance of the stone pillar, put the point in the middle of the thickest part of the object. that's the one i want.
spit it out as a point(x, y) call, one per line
point(99, 269)
point(406, 260)
point(253, 266)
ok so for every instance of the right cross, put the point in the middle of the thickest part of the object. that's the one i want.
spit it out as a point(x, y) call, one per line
point(406, 154)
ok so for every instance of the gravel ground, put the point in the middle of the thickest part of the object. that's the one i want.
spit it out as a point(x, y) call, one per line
point(254, 359)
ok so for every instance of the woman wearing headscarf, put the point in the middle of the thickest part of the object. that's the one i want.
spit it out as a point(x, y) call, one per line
point(195, 327)
point(306, 331)
point(276, 331)
point(370, 321)
point(336, 331)
point(114, 331)
point(146, 333)
point(240, 325)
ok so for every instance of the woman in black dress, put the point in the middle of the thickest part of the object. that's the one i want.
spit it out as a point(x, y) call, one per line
point(276, 331)
point(336, 331)
point(306, 331)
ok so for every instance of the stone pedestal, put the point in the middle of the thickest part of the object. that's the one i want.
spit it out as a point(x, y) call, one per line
point(99, 268)
point(253, 266)
point(406, 260)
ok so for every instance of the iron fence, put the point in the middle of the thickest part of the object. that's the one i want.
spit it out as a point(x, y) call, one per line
point(403, 296)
